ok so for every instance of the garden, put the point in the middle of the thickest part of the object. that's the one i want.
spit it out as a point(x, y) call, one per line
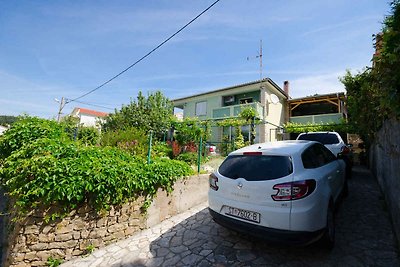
point(45, 164)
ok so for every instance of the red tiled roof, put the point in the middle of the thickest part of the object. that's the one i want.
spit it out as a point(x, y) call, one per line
point(90, 112)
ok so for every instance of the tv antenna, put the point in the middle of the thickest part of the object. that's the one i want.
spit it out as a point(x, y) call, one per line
point(259, 56)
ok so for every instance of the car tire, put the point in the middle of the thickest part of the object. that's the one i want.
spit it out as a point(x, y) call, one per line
point(328, 239)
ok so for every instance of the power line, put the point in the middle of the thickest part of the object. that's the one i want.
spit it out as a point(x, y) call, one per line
point(91, 104)
point(148, 54)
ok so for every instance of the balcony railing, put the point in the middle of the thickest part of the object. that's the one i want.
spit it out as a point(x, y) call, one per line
point(318, 119)
point(234, 110)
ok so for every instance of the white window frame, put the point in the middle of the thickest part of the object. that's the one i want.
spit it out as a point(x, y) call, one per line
point(201, 108)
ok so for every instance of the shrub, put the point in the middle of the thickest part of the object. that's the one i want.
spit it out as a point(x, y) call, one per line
point(27, 130)
point(161, 150)
point(88, 135)
point(132, 140)
point(188, 157)
point(48, 172)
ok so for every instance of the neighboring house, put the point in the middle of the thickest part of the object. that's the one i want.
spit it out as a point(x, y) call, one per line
point(265, 96)
point(3, 129)
point(88, 117)
point(318, 109)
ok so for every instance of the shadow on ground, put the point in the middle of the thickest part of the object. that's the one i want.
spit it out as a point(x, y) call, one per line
point(364, 238)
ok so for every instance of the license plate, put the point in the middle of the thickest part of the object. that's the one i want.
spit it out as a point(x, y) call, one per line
point(243, 214)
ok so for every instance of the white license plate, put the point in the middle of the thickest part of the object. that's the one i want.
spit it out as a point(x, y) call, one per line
point(243, 214)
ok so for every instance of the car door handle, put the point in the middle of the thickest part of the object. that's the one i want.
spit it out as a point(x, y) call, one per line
point(329, 177)
point(337, 171)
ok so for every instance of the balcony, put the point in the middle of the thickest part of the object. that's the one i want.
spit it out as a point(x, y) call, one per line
point(317, 119)
point(234, 110)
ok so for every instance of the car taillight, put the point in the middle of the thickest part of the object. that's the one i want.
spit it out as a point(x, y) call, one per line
point(213, 181)
point(345, 150)
point(211, 149)
point(293, 190)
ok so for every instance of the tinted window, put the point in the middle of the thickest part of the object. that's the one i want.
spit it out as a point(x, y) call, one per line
point(327, 154)
point(324, 138)
point(256, 168)
point(316, 156)
point(309, 159)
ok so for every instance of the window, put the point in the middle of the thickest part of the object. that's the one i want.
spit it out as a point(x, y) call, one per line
point(324, 138)
point(246, 100)
point(256, 168)
point(316, 156)
point(201, 108)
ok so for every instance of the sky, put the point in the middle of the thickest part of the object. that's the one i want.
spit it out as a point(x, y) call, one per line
point(55, 49)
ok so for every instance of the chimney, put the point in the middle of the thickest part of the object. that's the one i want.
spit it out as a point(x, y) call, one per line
point(286, 88)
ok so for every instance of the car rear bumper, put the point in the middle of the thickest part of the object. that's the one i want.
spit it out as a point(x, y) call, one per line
point(269, 234)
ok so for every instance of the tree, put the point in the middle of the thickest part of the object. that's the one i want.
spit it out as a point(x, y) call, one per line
point(7, 120)
point(373, 95)
point(153, 113)
point(387, 62)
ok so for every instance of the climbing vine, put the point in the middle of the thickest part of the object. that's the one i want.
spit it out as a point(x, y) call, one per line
point(374, 93)
point(292, 127)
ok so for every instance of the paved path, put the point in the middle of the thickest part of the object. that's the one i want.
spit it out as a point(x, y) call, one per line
point(364, 238)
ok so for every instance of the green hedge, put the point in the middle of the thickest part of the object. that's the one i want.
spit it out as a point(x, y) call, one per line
point(55, 171)
point(26, 130)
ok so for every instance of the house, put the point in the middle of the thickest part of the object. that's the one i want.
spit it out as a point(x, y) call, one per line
point(318, 109)
point(88, 117)
point(265, 96)
point(3, 129)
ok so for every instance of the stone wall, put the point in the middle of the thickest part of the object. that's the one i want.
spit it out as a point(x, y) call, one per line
point(3, 218)
point(385, 164)
point(33, 241)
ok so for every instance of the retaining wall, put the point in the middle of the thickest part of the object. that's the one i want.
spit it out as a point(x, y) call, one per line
point(385, 164)
point(3, 211)
point(33, 241)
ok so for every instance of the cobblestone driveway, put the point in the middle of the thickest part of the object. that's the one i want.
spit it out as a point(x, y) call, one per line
point(364, 238)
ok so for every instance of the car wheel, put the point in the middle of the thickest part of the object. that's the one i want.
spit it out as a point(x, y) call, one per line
point(328, 239)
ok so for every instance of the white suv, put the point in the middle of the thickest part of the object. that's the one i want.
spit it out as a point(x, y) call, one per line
point(281, 191)
point(334, 142)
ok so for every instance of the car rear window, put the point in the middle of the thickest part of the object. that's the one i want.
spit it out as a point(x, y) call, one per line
point(256, 167)
point(324, 138)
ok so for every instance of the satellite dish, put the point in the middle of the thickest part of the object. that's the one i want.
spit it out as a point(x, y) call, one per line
point(274, 99)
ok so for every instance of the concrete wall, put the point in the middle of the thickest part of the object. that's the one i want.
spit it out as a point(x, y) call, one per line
point(32, 241)
point(385, 164)
point(274, 114)
point(214, 101)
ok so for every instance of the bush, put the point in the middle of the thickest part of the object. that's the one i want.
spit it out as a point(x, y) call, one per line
point(42, 167)
point(132, 140)
point(161, 150)
point(27, 130)
point(47, 172)
point(88, 135)
point(189, 157)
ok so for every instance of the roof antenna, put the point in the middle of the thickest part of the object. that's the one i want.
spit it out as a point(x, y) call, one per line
point(259, 56)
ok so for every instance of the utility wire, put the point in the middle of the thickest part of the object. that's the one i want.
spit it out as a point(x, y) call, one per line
point(146, 55)
point(91, 104)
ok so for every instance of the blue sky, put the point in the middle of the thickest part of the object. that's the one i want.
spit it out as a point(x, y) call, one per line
point(54, 49)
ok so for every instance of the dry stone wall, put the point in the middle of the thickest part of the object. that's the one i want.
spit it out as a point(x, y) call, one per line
point(32, 241)
point(3, 212)
point(385, 164)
